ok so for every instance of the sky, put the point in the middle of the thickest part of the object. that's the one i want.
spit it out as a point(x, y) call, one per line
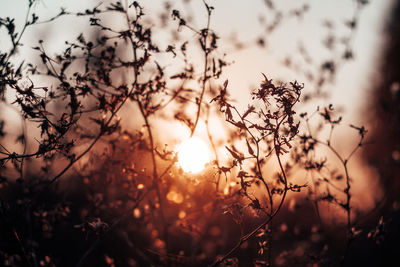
point(235, 17)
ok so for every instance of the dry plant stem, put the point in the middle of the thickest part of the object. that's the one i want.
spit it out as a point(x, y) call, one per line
point(347, 205)
point(100, 134)
point(28, 210)
point(252, 233)
point(156, 179)
point(269, 219)
point(344, 162)
point(315, 199)
point(12, 156)
point(16, 42)
point(348, 186)
point(21, 247)
point(172, 98)
point(203, 89)
point(312, 176)
point(21, 170)
point(72, 162)
point(214, 148)
point(277, 149)
point(257, 157)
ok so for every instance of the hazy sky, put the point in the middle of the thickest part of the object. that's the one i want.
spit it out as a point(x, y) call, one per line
point(242, 18)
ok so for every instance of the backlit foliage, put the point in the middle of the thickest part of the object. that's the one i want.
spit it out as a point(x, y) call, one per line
point(87, 189)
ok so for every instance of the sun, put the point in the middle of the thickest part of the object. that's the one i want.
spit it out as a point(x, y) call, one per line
point(193, 155)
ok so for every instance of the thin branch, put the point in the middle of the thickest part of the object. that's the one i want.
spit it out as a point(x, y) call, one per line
point(205, 78)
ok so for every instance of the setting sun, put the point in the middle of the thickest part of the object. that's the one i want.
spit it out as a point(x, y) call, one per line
point(193, 155)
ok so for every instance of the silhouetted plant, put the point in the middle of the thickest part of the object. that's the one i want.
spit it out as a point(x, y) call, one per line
point(91, 191)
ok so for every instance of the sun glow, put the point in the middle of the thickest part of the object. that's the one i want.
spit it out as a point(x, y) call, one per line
point(193, 155)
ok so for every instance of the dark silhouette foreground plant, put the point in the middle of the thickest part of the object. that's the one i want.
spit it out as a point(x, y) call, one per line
point(87, 190)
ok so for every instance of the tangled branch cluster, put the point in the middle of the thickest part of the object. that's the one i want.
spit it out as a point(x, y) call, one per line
point(86, 190)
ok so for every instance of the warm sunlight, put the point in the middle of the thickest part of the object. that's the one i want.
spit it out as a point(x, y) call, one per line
point(193, 155)
point(199, 133)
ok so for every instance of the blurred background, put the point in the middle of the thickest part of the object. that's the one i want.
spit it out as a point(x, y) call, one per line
point(345, 52)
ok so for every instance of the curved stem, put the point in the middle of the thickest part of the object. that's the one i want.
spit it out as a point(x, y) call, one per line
point(269, 219)
point(156, 178)
point(348, 185)
point(203, 89)
point(214, 148)
point(257, 156)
